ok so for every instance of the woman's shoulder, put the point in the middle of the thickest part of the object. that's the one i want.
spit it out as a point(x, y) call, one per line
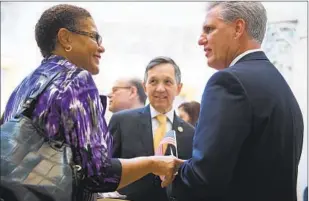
point(69, 74)
point(75, 79)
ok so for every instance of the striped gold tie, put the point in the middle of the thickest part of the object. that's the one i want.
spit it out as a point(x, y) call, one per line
point(160, 131)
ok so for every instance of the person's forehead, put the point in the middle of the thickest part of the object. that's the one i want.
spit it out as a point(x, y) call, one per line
point(165, 69)
point(120, 83)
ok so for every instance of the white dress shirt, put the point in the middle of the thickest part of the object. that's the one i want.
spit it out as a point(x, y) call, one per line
point(244, 54)
point(155, 122)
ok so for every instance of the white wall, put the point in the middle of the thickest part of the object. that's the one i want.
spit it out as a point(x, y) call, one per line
point(300, 88)
point(301, 93)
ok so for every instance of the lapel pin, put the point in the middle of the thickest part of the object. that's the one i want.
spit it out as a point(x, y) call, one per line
point(180, 129)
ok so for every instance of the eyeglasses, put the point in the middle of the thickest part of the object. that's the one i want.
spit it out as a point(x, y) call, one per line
point(93, 35)
point(114, 89)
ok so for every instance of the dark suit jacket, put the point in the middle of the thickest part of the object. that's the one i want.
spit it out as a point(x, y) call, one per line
point(248, 139)
point(133, 137)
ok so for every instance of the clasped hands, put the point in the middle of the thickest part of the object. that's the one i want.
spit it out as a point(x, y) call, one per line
point(166, 167)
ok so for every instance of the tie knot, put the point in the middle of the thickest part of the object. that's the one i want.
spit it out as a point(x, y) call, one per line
point(161, 118)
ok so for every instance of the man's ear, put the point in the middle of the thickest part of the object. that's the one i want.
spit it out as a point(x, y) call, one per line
point(64, 37)
point(145, 89)
point(179, 87)
point(240, 26)
point(133, 90)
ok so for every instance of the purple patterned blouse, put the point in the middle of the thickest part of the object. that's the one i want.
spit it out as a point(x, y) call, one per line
point(71, 107)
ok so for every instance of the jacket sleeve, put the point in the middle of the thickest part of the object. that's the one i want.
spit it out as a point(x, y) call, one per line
point(224, 123)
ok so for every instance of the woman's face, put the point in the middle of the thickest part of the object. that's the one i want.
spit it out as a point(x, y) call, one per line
point(86, 48)
point(183, 115)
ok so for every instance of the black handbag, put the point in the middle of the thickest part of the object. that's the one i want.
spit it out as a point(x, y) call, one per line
point(34, 167)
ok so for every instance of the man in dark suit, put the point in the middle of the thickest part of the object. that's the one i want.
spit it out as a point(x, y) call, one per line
point(248, 139)
point(138, 132)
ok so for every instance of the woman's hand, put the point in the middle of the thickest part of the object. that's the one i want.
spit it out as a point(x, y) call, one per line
point(166, 167)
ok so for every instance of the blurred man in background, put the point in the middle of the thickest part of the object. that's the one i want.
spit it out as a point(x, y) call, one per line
point(126, 93)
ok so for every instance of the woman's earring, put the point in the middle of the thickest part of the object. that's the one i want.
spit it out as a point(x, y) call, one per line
point(68, 49)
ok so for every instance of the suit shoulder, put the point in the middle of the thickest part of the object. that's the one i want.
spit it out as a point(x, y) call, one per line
point(127, 112)
point(225, 78)
point(229, 80)
point(189, 127)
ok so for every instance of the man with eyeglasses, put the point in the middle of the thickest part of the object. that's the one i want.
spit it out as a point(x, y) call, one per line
point(126, 93)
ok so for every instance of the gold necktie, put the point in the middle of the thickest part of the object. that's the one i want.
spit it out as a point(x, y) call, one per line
point(160, 131)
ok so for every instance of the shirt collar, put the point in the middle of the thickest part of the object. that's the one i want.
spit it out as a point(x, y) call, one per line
point(244, 54)
point(169, 115)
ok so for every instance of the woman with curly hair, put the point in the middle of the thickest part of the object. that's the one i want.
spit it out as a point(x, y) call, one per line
point(70, 108)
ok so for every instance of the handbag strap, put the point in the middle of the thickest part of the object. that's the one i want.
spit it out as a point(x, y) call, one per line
point(30, 102)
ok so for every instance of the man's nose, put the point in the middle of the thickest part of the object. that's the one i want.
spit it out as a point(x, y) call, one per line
point(109, 95)
point(203, 39)
point(160, 87)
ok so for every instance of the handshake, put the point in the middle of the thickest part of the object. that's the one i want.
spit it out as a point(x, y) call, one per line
point(166, 167)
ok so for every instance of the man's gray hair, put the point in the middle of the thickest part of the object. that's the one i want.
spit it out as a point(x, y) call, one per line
point(163, 60)
point(140, 90)
point(253, 13)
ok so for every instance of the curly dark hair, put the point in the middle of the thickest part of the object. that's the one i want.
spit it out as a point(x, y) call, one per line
point(192, 109)
point(54, 18)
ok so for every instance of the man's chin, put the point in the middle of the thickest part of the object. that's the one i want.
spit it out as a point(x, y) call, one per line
point(215, 66)
point(210, 64)
point(161, 108)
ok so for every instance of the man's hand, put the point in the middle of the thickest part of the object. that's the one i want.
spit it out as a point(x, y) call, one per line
point(166, 166)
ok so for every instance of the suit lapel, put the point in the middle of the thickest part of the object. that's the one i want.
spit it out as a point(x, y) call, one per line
point(145, 130)
point(177, 124)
